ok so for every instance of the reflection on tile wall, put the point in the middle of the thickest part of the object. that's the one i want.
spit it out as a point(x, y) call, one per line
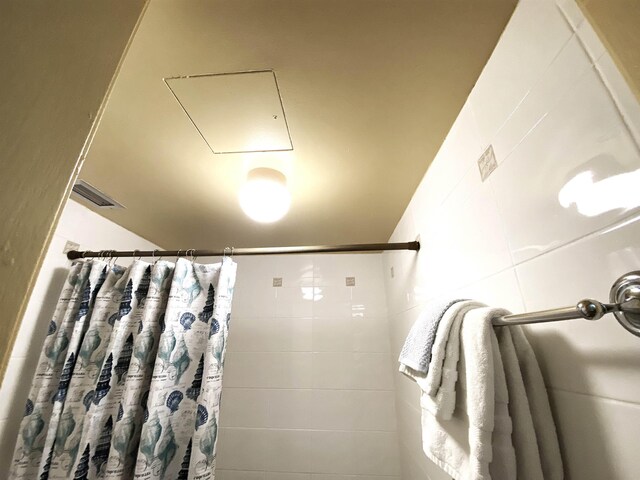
point(308, 389)
point(557, 221)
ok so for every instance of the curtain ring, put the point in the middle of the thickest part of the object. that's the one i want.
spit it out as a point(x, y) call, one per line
point(153, 257)
point(232, 249)
point(178, 254)
point(224, 252)
point(192, 252)
point(137, 255)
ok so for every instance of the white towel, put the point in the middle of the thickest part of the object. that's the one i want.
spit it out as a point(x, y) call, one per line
point(543, 423)
point(416, 351)
point(446, 348)
point(440, 383)
point(488, 416)
point(524, 434)
point(503, 463)
point(462, 445)
point(430, 381)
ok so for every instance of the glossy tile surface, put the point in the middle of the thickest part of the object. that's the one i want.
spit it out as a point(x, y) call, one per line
point(579, 175)
point(597, 435)
point(566, 69)
point(557, 221)
point(521, 56)
point(598, 358)
point(308, 387)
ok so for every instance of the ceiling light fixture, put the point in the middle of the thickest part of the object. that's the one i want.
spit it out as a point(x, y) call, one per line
point(264, 197)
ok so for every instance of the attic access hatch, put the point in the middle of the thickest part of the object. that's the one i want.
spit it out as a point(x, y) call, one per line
point(235, 112)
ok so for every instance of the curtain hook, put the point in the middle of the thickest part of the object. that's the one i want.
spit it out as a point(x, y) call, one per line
point(232, 249)
point(224, 252)
point(193, 257)
point(153, 257)
point(178, 254)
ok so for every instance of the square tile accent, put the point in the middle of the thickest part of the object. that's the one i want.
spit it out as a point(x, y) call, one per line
point(487, 163)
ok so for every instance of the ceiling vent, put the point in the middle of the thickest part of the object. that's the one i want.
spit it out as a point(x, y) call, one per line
point(95, 197)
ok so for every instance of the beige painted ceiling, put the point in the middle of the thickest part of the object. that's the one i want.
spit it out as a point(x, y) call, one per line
point(370, 89)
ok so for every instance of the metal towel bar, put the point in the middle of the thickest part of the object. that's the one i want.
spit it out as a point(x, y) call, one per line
point(625, 305)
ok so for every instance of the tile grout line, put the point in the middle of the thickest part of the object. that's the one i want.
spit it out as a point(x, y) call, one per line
point(593, 396)
point(621, 222)
point(311, 430)
point(533, 85)
point(595, 61)
point(311, 389)
point(356, 475)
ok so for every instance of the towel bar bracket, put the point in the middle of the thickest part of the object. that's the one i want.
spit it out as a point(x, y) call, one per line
point(625, 305)
point(625, 293)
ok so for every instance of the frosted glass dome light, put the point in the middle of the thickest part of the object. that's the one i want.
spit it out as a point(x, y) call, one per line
point(264, 197)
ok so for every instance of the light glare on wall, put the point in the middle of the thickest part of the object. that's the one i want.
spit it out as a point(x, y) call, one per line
point(592, 198)
point(264, 197)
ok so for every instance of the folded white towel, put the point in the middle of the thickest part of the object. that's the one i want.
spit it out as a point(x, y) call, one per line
point(503, 463)
point(524, 434)
point(440, 383)
point(430, 381)
point(485, 411)
point(479, 376)
point(446, 348)
point(540, 409)
point(416, 351)
point(462, 444)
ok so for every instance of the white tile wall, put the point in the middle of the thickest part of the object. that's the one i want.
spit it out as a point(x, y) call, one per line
point(308, 389)
point(311, 390)
point(93, 232)
point(557, 221)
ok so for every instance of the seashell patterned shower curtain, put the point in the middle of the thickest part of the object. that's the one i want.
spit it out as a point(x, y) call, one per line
point(129, 378)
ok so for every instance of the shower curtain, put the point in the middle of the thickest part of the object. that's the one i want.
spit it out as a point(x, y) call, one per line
point(129, 378)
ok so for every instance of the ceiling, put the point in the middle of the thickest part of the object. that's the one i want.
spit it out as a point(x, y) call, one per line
point(370, 88)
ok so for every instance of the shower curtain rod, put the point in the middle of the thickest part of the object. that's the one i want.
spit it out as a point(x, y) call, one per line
point(192, 252)
point(624, 295)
